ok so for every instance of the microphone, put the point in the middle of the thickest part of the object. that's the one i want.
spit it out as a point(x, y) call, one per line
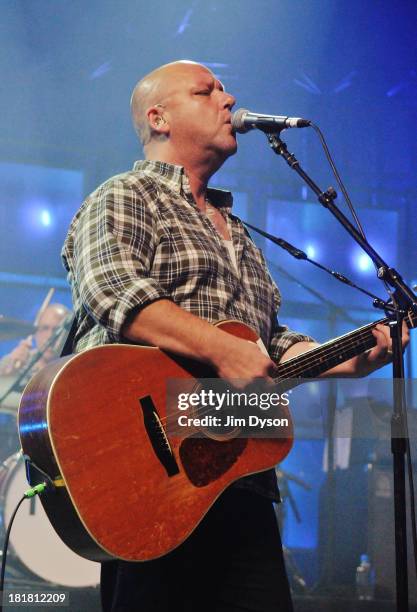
point(243, 121)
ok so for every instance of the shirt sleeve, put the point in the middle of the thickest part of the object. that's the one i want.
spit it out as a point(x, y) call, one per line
point(282, 338)
point(114, 244)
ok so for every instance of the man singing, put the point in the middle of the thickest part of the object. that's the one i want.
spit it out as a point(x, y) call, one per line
point(154, 257)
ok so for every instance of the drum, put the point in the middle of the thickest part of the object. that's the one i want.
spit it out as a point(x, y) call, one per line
point(9, 438)
point(34, 543)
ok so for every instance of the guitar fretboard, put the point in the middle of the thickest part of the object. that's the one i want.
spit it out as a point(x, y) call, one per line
point(313, 363)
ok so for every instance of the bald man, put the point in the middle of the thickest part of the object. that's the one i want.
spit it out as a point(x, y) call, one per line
point(16, 360)
point(154, 256)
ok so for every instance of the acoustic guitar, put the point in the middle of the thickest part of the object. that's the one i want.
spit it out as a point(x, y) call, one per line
point(92, 425)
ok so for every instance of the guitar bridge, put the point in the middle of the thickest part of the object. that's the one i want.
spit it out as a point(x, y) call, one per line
point(157, 436)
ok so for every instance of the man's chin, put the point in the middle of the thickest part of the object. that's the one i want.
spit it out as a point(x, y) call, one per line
point(231, 149)
point(221, 153)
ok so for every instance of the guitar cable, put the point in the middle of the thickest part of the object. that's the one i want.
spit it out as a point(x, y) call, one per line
point(36, 490)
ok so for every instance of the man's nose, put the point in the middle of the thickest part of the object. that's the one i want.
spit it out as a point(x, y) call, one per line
point(229, 101)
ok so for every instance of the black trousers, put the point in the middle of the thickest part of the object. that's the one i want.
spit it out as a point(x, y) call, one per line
point(232, 562)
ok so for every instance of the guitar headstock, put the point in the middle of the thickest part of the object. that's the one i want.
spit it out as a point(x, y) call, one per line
point(398, 301)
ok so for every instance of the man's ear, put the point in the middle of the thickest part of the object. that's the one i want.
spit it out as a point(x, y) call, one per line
point(157, 121)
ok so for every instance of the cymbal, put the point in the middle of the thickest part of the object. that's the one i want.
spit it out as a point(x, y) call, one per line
point(13, 328)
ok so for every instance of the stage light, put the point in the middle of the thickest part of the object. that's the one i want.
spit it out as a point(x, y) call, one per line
point(304, 193)
point(364, 263)
point(38, 215)
point(45, 217)
point(311, 251)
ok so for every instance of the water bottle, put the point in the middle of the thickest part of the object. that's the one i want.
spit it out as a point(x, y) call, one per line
point(365, 579)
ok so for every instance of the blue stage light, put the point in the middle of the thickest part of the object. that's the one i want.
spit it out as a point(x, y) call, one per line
point(311, 251)
point(364, 263)
point(38, 215)
point(45, 217)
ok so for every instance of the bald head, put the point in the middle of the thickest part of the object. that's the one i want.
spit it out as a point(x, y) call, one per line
point(58, 309)
point(50, 319)
point(52, 316)
point(152, 90)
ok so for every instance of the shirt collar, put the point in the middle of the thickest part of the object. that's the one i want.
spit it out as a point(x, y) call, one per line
point(175, 178)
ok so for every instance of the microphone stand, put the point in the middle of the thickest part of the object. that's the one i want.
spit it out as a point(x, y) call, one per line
point(299, 254)
point(326, 198)
point(406, 301)
point(332, 306)
point(328, 564)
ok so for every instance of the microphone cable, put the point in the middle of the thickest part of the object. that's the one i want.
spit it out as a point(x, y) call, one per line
point(347, 198)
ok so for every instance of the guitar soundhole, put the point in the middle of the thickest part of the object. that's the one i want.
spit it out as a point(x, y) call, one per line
point(205, 460)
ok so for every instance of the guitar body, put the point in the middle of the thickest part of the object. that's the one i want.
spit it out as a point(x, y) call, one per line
point(84, 420)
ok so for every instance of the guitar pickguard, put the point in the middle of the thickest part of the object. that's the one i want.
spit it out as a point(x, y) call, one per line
point(205, 460)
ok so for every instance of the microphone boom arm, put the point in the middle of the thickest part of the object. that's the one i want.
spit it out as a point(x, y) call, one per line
point(327, 198)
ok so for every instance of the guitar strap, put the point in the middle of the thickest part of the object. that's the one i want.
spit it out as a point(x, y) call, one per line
point(245, 229)
point(69, 340)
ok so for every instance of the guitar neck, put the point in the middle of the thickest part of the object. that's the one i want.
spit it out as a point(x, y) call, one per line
point(320, 359)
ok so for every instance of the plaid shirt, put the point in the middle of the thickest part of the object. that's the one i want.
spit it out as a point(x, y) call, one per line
point(140, 237)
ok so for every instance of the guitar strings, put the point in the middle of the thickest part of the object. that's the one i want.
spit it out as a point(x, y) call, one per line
point(285, 377)
point(315, 360)
point(352, 340)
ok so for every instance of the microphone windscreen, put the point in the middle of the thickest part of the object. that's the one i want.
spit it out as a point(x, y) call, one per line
point(238, 124)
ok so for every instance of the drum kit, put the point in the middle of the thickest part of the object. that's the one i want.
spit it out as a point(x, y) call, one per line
point(37, 556)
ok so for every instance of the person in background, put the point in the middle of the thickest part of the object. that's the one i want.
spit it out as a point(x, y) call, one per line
point(11, 364)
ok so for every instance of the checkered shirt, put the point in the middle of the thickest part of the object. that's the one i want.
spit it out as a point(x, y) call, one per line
point(140, 237)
